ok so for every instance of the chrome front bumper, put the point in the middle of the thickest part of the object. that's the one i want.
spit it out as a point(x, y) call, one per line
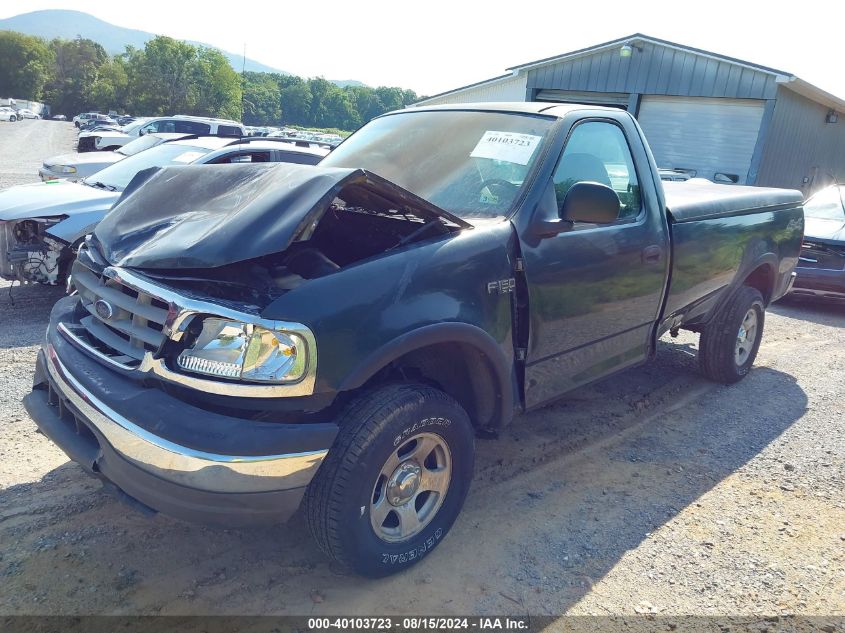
point(150, 447)
point(179, 464)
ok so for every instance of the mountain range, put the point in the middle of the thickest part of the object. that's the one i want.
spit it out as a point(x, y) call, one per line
point(70, 24)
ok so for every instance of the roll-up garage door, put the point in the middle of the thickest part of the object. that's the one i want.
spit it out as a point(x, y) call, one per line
point(706, 136)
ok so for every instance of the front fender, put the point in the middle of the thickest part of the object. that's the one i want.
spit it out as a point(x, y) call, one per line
point(500, 365)
point(370, 313)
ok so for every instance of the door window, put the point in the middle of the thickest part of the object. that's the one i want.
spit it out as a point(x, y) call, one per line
point(191, 127)
point(598, 152)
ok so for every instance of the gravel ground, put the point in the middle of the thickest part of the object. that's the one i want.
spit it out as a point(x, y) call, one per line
point(652, 492)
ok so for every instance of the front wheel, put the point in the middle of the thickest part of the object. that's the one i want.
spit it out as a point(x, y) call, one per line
point(395, 480)
point(729, 344)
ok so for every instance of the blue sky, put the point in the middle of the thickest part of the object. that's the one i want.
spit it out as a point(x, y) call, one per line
point(432, 46)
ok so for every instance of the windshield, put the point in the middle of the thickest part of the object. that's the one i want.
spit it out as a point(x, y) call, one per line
point(139, 145)
point(118, 175)
point(827, 204)
point(472, 164)
point(133, 127)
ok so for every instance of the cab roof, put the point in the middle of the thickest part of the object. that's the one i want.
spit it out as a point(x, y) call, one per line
point(518, 107)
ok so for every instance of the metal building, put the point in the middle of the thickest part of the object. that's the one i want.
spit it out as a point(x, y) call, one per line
point(713, 116)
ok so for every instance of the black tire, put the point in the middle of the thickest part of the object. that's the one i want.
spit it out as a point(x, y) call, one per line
point(717, 349)
point(339, 499)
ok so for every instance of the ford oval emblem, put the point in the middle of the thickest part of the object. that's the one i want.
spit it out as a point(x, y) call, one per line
point(104, 309)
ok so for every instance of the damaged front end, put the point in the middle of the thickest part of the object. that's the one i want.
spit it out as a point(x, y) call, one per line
point(29, 255)
point(175, 280)
point(249, 235)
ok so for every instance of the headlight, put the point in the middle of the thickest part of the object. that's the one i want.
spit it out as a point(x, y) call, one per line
point(66, 169)
point(230, 349)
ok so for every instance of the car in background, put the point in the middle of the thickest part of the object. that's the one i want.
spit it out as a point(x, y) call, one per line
point(83, 118)
point(821, 264)
point(59, 117)
point(42, 225)
point(101, 120)
point(7, 114)
point(180, 124)
point(78, 166)
point(26, 113)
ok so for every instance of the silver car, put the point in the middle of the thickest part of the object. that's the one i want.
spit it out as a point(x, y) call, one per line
point(78, 166)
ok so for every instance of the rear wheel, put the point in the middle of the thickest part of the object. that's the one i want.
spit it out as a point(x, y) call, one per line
point(729, 345)
point(395, 480)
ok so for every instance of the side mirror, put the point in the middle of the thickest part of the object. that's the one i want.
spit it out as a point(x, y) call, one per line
point(590, 202)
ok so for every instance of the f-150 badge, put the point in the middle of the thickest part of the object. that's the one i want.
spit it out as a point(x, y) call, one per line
point(503, 286)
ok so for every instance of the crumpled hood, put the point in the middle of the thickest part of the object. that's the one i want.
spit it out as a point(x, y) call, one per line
point(85, 158)
point(205, 216)
point(52, 198)
point(828, 230)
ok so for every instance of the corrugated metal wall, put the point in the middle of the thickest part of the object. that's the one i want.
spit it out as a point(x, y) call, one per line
point(656, 70)
point(509, 89)
point(801, 144)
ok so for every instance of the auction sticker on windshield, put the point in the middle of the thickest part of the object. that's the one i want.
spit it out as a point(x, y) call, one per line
point(510, 147)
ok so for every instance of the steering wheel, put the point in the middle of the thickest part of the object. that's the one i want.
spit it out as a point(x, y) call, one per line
point(506, 187)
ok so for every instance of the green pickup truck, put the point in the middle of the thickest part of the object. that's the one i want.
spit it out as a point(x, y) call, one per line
point(241, 341)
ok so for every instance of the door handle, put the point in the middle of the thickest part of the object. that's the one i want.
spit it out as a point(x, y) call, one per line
point(652, 254)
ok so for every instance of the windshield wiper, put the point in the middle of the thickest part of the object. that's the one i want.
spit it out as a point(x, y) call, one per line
point(101, 185)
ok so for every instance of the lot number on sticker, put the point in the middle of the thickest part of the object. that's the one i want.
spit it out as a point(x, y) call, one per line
point(510, 147)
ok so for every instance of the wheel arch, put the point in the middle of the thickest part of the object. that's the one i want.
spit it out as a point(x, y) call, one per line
point(460, 359)
point(762, 277)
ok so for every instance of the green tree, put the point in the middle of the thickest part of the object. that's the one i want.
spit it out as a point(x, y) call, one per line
point(340, 111)
point(320, 89)
point(366, 101)
point(262, 99)
point(110, 90)
point(161, 76)
point(391, 98)
point(296, 104)
point(25, 65)
point(216, 86)
point(74, 72)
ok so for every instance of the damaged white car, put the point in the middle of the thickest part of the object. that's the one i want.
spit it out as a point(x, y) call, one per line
point(42, 225)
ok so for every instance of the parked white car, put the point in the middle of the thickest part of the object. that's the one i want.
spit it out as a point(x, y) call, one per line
point(80, 119)
point(90, 141)
point(78, 166)
point(26, 113)
point(7, 114)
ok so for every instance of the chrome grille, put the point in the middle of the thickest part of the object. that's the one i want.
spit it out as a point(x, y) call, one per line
point(129, 323)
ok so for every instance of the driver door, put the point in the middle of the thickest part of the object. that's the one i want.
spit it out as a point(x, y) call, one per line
point(594, 290)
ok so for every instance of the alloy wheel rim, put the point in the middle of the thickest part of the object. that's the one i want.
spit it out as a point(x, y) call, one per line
point(746, 337)
point(410, 487)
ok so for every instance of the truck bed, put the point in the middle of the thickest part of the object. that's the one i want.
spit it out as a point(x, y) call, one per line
point(717, 232)
point(700, 199)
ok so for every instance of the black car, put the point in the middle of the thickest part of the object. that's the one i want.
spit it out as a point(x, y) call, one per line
point(821, 266)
